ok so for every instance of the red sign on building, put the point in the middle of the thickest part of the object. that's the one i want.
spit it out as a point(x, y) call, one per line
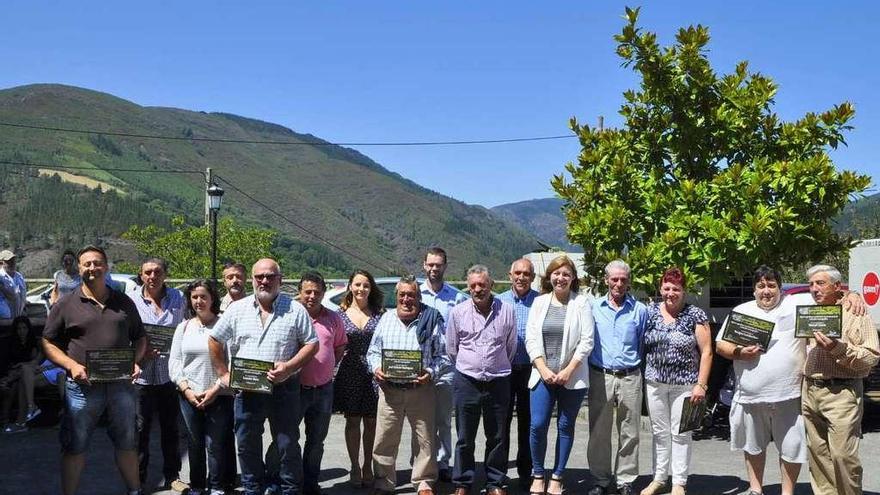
point(871, 288)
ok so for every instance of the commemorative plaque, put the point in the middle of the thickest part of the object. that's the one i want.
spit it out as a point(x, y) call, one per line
point(691, 415)
point(109, 365)
point(401, 366)
point(250, 375)
point(748, 330)
point(827, 319)
point(159, 337)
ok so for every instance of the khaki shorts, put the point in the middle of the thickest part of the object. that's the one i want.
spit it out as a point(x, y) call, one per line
point(752, 426)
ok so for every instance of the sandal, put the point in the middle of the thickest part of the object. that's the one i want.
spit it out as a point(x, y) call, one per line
point(558, 480)
point(543, 490)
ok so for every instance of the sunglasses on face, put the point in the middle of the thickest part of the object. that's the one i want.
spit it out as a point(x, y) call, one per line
point(259, 277)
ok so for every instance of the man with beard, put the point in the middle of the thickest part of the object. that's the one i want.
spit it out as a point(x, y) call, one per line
point(520, 297)
point(437, 294)
point(93, 318)
point(412, 327)
point(159, 305)
point(481, 342)
point(234, 275)
point(271, 327)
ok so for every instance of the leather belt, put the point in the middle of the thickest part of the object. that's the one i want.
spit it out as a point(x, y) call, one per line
point(831, 382)
point(618, 373)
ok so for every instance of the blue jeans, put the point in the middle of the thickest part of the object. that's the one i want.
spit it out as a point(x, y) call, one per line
point(211, 430)
point(475, 399)
point(317, 407)
point(282, 409)
point(542, 400)
point(84, 405)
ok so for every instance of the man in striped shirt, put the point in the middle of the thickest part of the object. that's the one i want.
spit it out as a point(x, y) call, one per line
point(411, 327)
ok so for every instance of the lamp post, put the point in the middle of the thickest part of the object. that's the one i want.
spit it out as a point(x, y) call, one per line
point(215, 198)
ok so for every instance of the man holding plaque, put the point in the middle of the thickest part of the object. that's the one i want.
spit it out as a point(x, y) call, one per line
point(93, 320)
point(832, 391)
point(406, 357)
point(272, 336)
point(161, 308)
point(481, 341)
point(616, 383)
point(758, 336)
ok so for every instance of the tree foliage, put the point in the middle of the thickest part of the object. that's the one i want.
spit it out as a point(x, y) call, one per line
point(188, 248)
point(703, 174)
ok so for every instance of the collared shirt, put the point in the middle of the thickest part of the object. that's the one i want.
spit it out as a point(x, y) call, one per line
point(391, 333)
point(617, 342)
point(442, 300)
point(15, 283)
point(288, 328)
point(331, 334)
point(225, 301)
point(173, 306)
point(77, 324)
point(482, 347)
point(521, 307)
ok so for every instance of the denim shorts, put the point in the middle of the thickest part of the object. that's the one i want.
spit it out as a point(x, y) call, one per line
point(84, 405)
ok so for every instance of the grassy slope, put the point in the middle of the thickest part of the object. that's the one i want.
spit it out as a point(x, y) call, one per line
point(338, 193)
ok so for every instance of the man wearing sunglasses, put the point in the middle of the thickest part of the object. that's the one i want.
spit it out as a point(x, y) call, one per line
point(272, 328)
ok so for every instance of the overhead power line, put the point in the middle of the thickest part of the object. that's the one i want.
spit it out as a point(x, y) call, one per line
point(304, 229)
point(286, 143)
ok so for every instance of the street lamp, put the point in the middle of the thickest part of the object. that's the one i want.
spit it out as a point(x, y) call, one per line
point(215, 198)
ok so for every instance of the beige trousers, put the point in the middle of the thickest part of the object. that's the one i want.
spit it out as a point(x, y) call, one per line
point(417, 406)
point(833, 420)
point(612, 396)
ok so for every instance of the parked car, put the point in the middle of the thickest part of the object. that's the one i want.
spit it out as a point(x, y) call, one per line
point(388, 285)
point(37, 305)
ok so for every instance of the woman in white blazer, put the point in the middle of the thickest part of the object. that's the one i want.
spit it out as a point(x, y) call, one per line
point(559, 338)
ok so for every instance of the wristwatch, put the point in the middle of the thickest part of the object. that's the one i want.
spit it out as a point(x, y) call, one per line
point(737, 351)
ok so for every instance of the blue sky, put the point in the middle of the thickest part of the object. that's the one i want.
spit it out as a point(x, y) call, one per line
point(424, 71)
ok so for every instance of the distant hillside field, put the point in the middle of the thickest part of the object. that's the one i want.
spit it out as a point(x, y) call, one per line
point(379, 220)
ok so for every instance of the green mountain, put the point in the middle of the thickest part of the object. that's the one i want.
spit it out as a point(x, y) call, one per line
point(543, 217)
point(365, 215)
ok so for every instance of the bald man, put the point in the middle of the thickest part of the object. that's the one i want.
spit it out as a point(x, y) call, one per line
point(271, 327)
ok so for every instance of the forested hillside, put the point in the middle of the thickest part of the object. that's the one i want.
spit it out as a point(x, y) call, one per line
point(338, 208)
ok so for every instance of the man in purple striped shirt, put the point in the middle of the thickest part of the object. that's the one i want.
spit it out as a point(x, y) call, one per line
point(481, 341)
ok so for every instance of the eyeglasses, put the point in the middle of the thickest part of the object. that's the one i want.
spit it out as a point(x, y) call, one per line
point(259, 277)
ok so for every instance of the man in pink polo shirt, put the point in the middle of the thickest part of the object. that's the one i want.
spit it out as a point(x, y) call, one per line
point(316, 379)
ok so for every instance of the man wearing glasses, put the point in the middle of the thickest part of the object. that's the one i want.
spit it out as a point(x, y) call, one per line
point(272, 328)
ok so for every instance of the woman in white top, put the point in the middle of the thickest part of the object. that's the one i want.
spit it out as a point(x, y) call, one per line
point(206, 408)
point(559, 338)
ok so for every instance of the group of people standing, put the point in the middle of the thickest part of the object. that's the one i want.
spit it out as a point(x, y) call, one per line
point(487, 358)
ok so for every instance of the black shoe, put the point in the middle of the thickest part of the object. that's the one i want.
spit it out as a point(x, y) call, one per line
point(596, 490)
point(444, 476)
point(625, 489)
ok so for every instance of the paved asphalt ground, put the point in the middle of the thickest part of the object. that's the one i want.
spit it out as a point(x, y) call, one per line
point(29, 464)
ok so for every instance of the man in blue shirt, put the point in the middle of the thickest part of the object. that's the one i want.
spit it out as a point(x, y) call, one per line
point(437, 294)
point(616, 382)
point(520, 296)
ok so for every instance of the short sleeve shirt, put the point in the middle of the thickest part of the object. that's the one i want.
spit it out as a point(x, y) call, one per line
point(331, 334)
point(288, 328)
point(671, 353)
point(78, 324)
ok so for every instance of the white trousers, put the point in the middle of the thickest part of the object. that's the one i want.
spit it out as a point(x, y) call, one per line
point(672, 450)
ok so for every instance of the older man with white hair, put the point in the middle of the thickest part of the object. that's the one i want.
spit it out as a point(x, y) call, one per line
point(832, 391)
point(616, 382)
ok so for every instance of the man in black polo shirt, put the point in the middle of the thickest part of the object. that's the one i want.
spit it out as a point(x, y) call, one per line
point(95, 318)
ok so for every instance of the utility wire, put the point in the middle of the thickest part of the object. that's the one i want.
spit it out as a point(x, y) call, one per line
point(304, 229)
point(287, 143)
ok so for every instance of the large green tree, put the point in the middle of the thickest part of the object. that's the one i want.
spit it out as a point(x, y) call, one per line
point(703, 174)
point(188, 248)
